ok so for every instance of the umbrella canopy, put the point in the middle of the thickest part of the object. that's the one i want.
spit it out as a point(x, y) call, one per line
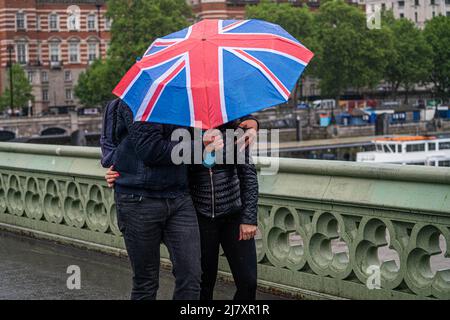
point(213, 72)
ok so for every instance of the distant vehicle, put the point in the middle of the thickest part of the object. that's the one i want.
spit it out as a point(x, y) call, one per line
point(303, 106)
point(409, 150)
point(390, 104)
point(90, 111)
point(324, 104)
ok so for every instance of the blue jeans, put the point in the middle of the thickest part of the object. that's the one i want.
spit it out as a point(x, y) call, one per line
point(145, 223)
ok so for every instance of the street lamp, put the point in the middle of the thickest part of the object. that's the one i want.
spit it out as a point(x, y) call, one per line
point(10, 49)
point(99, 4)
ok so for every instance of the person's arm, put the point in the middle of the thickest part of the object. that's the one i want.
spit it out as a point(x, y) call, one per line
point(150, 144)
point(249, 190)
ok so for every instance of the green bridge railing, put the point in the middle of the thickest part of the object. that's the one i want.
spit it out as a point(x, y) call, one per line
point(327, 228)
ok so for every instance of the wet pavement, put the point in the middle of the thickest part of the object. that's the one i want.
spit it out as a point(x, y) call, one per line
point(37, 269)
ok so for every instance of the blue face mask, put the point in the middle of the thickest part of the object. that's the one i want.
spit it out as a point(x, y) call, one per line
point(210, 160)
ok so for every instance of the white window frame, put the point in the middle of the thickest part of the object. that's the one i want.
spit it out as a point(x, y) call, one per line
point(20, 12)
point(71, 44)
point(90, 44)
point(68, 78)
point(91, 15)
point(51, 46)
point(56, 28)
point(45, 97)
point(25, 53)
point(30, 75)
point(70, 96)
point(44, 79)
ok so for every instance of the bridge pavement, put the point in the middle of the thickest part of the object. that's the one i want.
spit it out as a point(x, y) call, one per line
point(36, 269)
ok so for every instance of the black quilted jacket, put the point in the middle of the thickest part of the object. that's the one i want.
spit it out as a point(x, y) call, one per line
point(225, 189)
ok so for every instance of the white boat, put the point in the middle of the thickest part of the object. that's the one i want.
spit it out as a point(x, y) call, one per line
point(409, 150)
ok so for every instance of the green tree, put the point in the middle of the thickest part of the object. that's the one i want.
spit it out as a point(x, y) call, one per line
point(437, 35)
point(348, 54)
point(136, 23)
point(410, 61)
point(21, 90)
point(295, 20)
point(298, 21)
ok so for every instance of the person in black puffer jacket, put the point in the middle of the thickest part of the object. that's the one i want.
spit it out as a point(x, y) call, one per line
point(226, 197)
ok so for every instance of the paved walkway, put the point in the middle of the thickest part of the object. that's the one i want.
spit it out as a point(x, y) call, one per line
point(36, 269)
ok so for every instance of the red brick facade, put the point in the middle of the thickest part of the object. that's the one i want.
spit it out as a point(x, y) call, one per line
point(235, 9)
point(54, 40)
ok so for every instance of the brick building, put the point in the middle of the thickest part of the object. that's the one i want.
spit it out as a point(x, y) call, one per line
point(235, 9)
point(54, 40)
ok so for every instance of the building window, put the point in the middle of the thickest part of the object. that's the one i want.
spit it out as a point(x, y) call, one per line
point(401, 4)
point(68, 75)
point(92, 51)
point(433, 14)
point(432, 2)
point(53, 22)
point(108, 23)
point(444, 145)
point(444, 163)
point(402, 15)
point(54, 52)
point(20, 21)
point(416, 3)
point(44, 77)
point(447, 1)
point(91, 21)
point(415, 17)
point(415, 147)
point(69, 95)
point(30, 76)
point(383, 6)
point(22, 53)
point(73, 52)
point(44, 94)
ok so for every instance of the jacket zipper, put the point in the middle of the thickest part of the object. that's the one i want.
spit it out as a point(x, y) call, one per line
point(213, 204)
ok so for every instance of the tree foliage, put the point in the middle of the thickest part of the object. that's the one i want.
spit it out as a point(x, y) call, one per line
point(348, 54)
point(295, 20)
point(21, 90)
point(410, 60)
point(437, 35)
point(136, 24)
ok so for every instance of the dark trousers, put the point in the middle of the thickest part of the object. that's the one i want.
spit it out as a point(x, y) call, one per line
point(241, 256)
point(145, 223)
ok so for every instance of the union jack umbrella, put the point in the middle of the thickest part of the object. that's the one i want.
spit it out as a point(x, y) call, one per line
point(213, 72)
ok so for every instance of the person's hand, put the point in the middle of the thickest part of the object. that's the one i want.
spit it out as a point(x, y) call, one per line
point(213, 141)
point(247, 231)
point(251, 128)
point(111, 176)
